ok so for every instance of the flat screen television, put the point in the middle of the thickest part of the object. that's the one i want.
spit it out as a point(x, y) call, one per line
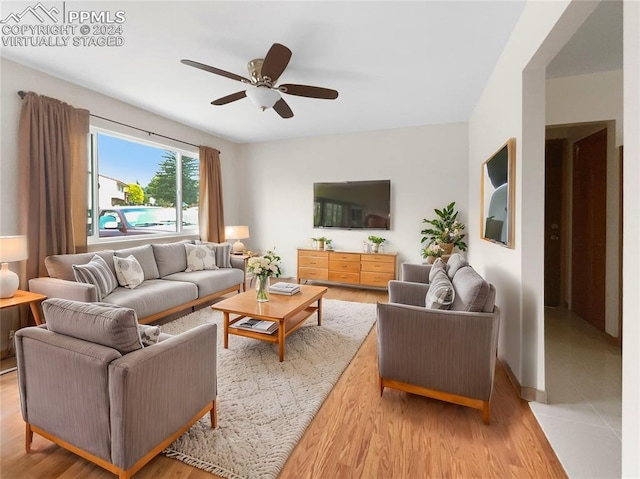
point(352, 205)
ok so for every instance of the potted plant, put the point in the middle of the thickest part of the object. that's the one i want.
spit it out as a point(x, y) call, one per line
point(376, 241)
point(320, 242)
point(432, 252)
point(327, 244)
point(445, 230)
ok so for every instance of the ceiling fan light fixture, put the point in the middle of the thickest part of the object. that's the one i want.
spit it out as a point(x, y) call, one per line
point(263, 96)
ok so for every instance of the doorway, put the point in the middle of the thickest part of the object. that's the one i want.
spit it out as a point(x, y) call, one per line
point(576, 221)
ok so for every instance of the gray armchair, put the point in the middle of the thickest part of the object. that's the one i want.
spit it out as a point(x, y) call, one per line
point(449, 354)
point(87, 383)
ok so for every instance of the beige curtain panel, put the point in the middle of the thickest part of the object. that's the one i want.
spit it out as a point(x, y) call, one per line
point(210, 206)
point(52, 146)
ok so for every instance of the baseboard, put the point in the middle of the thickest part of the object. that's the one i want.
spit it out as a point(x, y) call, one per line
point(526, 393)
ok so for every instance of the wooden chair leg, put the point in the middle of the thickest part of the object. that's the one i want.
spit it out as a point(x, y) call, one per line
point(486, 412)
point(214, 415)
point(28, 437)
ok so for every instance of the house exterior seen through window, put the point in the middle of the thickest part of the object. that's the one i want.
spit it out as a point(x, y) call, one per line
point(138, 188)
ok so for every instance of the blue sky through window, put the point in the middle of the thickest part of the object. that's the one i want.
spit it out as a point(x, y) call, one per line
point(128, 161)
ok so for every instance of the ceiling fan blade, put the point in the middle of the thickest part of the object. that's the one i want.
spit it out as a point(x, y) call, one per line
point(308, 91)
point(215, 70)
point(283, 109)
point(229, 98)
point(276, 61)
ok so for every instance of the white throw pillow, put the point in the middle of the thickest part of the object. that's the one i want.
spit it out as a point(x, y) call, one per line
point(199, 257)
point(149, 335)
point(128, 271)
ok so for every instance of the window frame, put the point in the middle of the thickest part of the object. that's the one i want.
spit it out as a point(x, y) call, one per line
point(93, 189)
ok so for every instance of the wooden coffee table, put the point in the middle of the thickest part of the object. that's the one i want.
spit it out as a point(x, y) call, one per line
point(288, 311)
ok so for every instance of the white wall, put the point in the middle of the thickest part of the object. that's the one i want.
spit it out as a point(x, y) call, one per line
point(631, 246)
point(590, 98)
point(15, 77)
point(426, 166)
point(513, 105)
point(586, 98)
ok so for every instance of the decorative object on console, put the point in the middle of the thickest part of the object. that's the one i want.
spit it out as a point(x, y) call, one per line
point(376, 243)
point(446, 231)
point(12, 248)
point(263, 267)
point(320, 241)
point(237, 233)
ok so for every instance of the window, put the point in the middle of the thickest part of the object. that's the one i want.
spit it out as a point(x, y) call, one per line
point(139, 188)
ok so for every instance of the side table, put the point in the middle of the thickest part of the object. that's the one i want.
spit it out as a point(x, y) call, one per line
point(25, 297)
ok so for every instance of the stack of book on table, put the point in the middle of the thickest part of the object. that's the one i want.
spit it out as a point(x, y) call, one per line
point(284, 288)
point(257, 325)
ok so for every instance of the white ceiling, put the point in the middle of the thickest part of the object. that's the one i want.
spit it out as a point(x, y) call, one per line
point(395, 64)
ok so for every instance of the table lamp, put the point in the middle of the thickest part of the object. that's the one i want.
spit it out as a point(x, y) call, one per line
point(237, 233)
point(12, 248)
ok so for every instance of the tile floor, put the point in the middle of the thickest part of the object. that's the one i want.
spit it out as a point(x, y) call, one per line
point(582, 418)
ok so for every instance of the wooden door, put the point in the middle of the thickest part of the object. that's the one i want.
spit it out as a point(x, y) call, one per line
point(588, 237)
point(553, 224)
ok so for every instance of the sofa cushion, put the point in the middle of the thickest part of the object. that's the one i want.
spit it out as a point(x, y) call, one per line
point(149, 335)
point(144, 255)
point(222, 250)
point(438, 265)
point(455, 262)
point(440, 294)
point(97, 273)
point(60, 266)
point(128, 271)
point(210, 281)
point(154, 296)
point(471, 290)
point(98, 323)
point(170, 258)
point(199, 257)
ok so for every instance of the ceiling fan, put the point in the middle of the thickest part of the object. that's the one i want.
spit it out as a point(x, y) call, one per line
point(262, 89)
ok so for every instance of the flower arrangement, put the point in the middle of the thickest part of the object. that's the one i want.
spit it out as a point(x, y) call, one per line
point(446, 229)
point(434, 250)
point(265, 266)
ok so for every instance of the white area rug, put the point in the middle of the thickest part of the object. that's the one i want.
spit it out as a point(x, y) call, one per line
point(264, 406)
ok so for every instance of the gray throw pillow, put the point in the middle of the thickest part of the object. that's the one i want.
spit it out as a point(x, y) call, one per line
point(456, 261)
point(112, 326)
point(97, 273)
point(144, 255)
point(438, 265)
point(222, 250)
point(440, 294)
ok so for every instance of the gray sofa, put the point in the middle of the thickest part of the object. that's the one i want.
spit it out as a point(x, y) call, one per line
point(447, 354)
point(87, 383)
point(166, 288)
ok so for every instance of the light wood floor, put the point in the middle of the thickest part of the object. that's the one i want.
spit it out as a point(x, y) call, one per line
point(356, 434)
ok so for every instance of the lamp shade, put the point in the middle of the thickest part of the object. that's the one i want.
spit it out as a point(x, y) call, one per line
point(236, 232)
point(263, 96)
point(13, 248)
